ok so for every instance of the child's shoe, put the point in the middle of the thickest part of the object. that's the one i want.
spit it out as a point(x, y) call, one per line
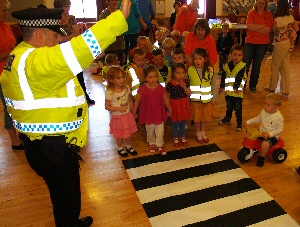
point(260, 161)
point(205, 139)
point(131, 151)
point(123, 153)
point(184, 142)
point(224, 121)
point(162, 150)
point(199, 140)
point(239, 128)
point(152, 148)
point(176, 142)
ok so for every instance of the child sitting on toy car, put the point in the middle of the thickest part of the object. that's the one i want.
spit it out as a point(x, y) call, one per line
point(271, 125)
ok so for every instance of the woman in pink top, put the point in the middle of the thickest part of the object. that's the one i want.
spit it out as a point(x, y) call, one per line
point(152, 98)
point(201, 38)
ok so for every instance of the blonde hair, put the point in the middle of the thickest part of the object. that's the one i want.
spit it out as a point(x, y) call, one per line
point(112, 72)
point(276, 98)
point(168, 42)
point(184, 35)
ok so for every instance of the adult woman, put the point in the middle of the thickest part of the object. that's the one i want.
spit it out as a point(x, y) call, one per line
point(7, 43)
point(72, 29)
point(259, 24)
point(118, 46)
point(201, 38)
point(174, 15)
point(281, 54)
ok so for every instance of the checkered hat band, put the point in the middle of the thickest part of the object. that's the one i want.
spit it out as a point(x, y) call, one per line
point(40, 22)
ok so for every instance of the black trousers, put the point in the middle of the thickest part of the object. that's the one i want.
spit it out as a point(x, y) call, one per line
point(51, 159)
point(234, 103)
point(80, 79)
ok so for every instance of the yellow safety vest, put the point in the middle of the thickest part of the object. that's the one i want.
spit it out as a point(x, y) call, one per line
point(41, 90)
point(161, 78)
point(230, 79)
point(136, 83)
point(200, 87)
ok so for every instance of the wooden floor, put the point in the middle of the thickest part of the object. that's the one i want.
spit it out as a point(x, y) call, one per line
point(107, 193)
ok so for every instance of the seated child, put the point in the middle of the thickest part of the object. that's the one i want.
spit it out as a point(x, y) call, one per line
point(168, 47)
point(161, 25)
point(110, 59)
point(178, 55)
point(164, 72)
point(135, 74)
point(144, 43)
point(224, 44)
point(177, 38)
point(271, 125)
point(160, 37)
point(183, 38)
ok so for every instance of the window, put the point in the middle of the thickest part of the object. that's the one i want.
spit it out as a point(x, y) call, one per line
point(82, 9)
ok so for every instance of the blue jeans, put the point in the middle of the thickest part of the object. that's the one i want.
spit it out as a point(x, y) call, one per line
point(234, 103)
point(8, 123)
point(254, 53)
point(181, 126)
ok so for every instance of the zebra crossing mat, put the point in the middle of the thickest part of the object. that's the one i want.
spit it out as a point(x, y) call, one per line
point(201, 186)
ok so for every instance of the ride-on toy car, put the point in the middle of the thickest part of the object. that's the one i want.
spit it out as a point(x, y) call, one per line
point(252, 145)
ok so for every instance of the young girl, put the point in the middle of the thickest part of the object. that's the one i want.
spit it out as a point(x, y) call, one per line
point(153, 100)
point(119, 102)
point(203, 95)
point(179, 92)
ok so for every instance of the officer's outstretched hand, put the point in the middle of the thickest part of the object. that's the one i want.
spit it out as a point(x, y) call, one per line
point(125, 8)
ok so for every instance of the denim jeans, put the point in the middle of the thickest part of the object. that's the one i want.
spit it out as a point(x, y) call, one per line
point(234, 103)
point(181, 126)
point(254, 53)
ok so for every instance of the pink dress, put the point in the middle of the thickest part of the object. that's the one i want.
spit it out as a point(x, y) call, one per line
point(152, 106)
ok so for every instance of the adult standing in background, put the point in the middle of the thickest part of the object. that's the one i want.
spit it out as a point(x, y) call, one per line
point(148, 13)
point(187, 17)
point(72, 29)
point(283, 24)
point(7, 43)
point(117, 47)
point(259, 25)
point(134, 21)
point(174, 15)
point(47, 104)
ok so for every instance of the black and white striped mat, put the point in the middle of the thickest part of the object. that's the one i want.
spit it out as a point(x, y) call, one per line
point(201, 186)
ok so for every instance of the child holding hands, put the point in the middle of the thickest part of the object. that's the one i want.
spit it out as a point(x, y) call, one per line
point(118, 100)
point(152, 99)
point(271, 125)
point(179, 92)
point(203, 95)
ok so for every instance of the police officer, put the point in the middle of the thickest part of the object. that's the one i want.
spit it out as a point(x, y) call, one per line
point(48, 105)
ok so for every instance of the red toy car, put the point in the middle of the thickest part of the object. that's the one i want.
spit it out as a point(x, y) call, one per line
point(252, 146)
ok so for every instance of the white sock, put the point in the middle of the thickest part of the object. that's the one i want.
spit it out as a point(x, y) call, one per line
point(128, 146)
point(203, 135)
point(199, 135)
point(120, 148)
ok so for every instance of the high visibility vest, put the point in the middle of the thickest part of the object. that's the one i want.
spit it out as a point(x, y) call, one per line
point(200, 87)
point(156, 45)
point(161, 79)
point(230, 79)
point(42, 93)
point(135, 81)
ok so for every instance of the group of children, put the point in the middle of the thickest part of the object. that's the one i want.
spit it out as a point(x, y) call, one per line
point(152, 93)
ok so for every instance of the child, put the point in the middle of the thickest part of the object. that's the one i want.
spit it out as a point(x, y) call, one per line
point(164, 72)
point(179, 93)
point(110, 59)
point(178, 55)
point(135, 74)
point(233, 81)
point(152, 99)
point(177, 38)
point(118, 101)
point(160, 37)
point(168, 47)
point(203, 95)
point(144, 43)
point(183, 39)
point(271, 125)
point(224, 44)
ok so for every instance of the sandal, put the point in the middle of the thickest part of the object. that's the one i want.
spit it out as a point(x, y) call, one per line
point(199, 140)
point(123, 153)
point(184, 142)
point(176, 142)
point(205, 139)
point(131, 151)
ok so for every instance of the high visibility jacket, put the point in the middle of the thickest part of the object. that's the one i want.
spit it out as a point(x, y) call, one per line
point(156, 45)
point(200, 87)
point(161, 78)
point(40, 87)
point(230, 79)
point(134, 79)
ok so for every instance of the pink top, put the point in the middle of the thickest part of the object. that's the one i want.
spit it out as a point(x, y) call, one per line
point(7, 41)
point(152, 107)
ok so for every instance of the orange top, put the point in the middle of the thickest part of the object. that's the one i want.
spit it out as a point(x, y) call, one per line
point(254, 18)
point(186, 20)
point(7, 42)
point(209, 44)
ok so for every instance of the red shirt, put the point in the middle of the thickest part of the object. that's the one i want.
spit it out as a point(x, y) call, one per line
point(209, 44)
point(7, 42)
point(254, 18)
point(186, 20)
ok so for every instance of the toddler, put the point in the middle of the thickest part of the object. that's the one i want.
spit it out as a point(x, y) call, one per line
point(164, 72)
point(168, 46)
point(118, 101)
point(152, 100)
point(177, 38)
point(160, 37)
point(233, 81)
point(179, 92)
point(144, 43)
point(203, 95)
point(271, 125)
point(110, 59)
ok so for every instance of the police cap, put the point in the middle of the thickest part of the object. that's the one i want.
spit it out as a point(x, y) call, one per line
point(40, 18)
